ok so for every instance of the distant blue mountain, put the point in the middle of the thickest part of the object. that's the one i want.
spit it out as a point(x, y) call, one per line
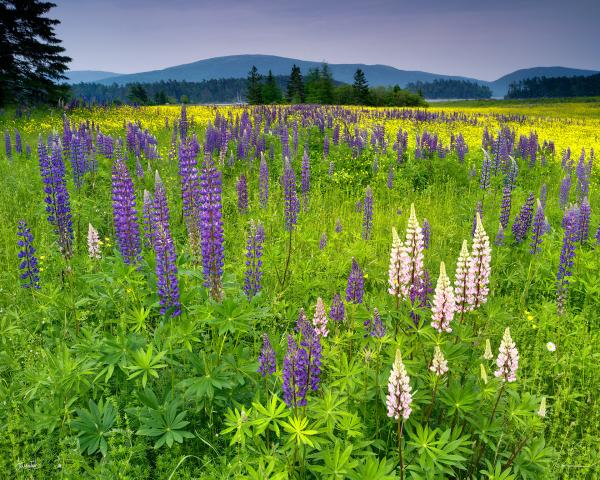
point(500, 87)
point(78, 76)
point(237, 66)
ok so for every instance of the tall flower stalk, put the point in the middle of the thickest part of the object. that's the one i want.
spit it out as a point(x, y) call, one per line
point(567, 254)
point(367, 228)
point(30, 271)
point(478, 274)
point(444, 303)
point(124, 214)
point(254, 253)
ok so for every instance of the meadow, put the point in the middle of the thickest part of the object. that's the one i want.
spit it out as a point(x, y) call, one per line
point(300, 292)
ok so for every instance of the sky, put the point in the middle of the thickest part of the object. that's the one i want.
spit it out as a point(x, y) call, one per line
point(481, 39)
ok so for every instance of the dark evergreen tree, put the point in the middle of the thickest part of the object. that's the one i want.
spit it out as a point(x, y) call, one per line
point(295, 87)
point(271, 93)
point(254, 87)
point(360, 88)
point(137, 94)
point(160, 97)
point(326, 90)
point(31, 58)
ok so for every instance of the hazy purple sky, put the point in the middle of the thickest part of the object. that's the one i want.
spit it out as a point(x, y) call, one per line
point(475, 38)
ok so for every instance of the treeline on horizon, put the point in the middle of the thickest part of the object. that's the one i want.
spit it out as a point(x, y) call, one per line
point(439, 89)
point(319, 87)
point(554, 87)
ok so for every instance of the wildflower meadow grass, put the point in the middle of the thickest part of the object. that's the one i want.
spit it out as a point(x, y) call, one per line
point(300, 292)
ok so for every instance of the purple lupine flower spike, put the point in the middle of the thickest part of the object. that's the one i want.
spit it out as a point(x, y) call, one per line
point(356, 284)
point(323, 241)
point(292, 206)
point(337, 311)
point(147, 219)
point(166, 270)
point(267, 363)
point(374, 327)
point(567, 254)
point(242, 191)
point(584, 220)
point(506, 206)
point(124, 213)
point(254, 252)
point(367, 229)
point(499, 240)
point(426, 228)
point(539, 228)
point(338, 226)
point(29, 263)
point(305, 178)
point(295, 364)
point(263, 183)
point(211, 222)
point(523, 221)
point(565, 189)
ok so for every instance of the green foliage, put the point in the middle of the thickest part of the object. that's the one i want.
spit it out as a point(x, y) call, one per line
point(94, 426)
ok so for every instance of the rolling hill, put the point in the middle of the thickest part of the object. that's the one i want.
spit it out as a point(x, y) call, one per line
point(500, 87)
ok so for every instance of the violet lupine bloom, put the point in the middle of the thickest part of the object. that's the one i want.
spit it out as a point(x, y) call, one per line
point(242, 192)
point(399, 395)
point(411, 271)
point(523, 221)
point(499, 240)
point(356, 284)
point(331, 169)
point(337, 312)
point(461, 279)
point(478, 275)
point(444, 303)
point(263, 182)
point(147, 219)
point(508, 358)
point(7, 144)
point(93, 240)
point(305, 178)
point(598, 235)
point(565, 189)
point(320, 319)
point(29, 262)
point(426, 233)
point(166, 270)
point(390, 177)
point(124, 213)
point(295, 365)
point(439, 364)
point(506, 205)
point(267, 363)
point(367, 229)
point(323, 241)
point(292, 205)
point(18, 144)
point(190, 193)
point(311, 341)
point(567, 254)
point(254, 252)
point(543, 195)
point(484, 180)
point(58, 204)
point(584, 220)
point(325, 147)
point(211, 223)
point(539, 228)
point(374, 327)
point(338, 226)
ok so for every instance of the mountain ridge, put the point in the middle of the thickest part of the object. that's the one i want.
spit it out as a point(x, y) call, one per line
point(237, 66)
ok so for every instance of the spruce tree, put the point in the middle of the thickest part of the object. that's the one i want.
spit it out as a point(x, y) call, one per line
point(254, 87)
point(31, 58)
point(360, 88)
point(271, 92)
point(326, 86)
point(295, 88)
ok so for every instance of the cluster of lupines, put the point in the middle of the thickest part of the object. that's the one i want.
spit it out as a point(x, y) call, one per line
point(58, 204)
point(29, 263)
point(254, 252)
point(164, 249)
point(211, 222)
point(124, 213)
point(411, 257)
point(367, 228)
point(190, 193)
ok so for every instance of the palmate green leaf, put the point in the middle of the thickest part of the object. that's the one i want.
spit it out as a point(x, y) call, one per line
point(351, 425)
point(94, 426)
point(346, 374)
point(299, 433)
point(328, 410)
point(372, 468)
point(166, 424)
point(210, 379)
point(269, 470)
point(534, 459)
point(337, 464)
point(238, 421)
point(146, 364)
point(460, 400)
point(495, 472)
point(269, 416)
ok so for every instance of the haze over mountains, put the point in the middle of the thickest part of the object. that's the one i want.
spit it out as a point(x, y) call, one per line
point(237, 66)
